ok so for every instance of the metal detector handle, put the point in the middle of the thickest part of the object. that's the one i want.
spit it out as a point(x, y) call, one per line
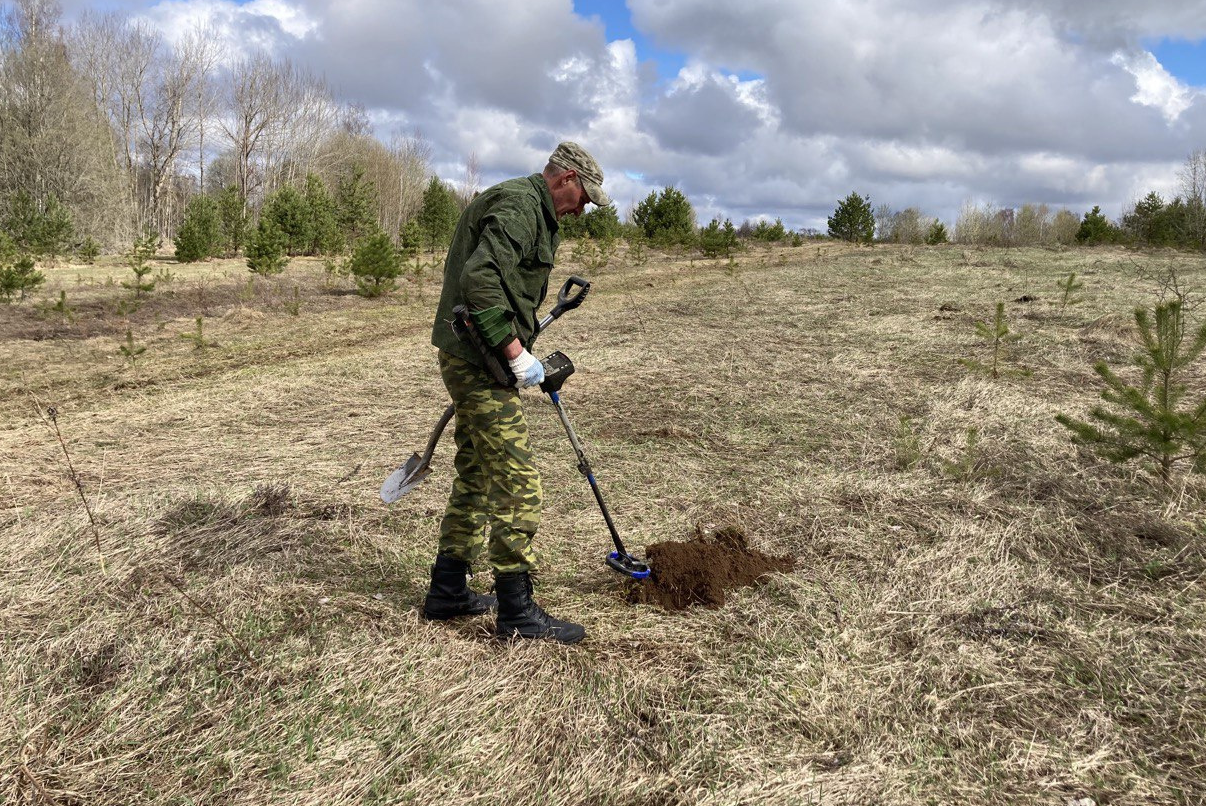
point(565, 302)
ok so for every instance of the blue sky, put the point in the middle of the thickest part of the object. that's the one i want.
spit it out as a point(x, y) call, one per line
point(617, 22)
point(1184, 59)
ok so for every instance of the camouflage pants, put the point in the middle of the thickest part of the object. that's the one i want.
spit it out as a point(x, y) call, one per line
point(497, 486)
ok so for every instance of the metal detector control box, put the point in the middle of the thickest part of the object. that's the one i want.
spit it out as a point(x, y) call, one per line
point(557, 368)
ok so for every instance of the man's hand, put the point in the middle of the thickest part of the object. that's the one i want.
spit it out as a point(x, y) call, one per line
point(528, 370)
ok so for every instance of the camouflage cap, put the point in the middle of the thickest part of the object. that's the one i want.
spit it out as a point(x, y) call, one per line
point(572, 156)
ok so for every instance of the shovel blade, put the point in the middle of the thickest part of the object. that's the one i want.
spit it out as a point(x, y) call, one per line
point(404, 479)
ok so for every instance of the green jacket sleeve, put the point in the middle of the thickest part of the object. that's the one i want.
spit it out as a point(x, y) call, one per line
point(507, 234)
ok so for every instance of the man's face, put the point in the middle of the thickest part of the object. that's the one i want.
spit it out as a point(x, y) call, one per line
point(569, 197)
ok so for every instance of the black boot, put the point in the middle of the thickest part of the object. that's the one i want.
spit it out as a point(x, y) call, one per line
point(519, 616)
point(450, 596)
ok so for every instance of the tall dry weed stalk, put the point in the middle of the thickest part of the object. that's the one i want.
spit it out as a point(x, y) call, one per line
point(53, 414)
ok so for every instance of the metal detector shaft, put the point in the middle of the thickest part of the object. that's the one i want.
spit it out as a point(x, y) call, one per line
point(585, 470)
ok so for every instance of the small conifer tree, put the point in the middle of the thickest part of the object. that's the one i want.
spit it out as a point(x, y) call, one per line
point(55, 229)
point(853, 220)
point(266, 249)
point(197, 337)
point(232, 221)
point(200, 235)
point(288, 211)
point(1095, 228)
point(375, 265)
point(410, 240)
point(61, 307)
point(138, 260)
point(438, 215)
point(19, 277)
point(718, 240)
point(88, 251)
point(22, 220)
point(997, 334)
point(355, 206)
point(8, 249)
point(666, 217)
point(771, 233)
point(936, 233)
point(131, 350)
point(325, 238)
point(1070, 285)
point(1148, 420)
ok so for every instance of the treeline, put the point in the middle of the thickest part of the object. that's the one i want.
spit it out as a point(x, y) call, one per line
point(107, 131)
point(1150, 222)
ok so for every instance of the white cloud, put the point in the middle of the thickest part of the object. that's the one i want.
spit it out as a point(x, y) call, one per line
point(273, 26)
point(915, 102)
point(1155, 87)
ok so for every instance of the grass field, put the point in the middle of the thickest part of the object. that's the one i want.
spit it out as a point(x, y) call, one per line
point(981, 613)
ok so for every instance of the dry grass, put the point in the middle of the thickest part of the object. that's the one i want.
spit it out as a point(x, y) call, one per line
point(988, 620)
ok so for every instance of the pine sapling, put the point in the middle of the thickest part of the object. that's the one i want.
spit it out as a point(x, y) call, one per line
point(247, 292)
point(197, 337)
point(1069, 286)
point(1148, 420)
point(997, 334)
point(131, 350)
point(19, 278)
point(293, 306)
point(138, 259)
point(88, 250)
point(375, 265)
point(60, 308)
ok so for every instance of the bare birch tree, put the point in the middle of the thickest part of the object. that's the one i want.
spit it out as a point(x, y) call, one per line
point(1193, 191)
point(53, 142)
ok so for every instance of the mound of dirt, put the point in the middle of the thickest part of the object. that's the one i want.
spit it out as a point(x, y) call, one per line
point(700, 570)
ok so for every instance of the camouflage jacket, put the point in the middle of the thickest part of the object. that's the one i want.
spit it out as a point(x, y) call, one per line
point(501, 254)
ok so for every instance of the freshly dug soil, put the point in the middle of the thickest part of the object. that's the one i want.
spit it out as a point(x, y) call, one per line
point(699, 571)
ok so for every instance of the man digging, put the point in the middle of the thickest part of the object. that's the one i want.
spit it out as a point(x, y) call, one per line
point(498, 266)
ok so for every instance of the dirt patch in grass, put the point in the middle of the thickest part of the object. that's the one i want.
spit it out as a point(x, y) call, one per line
point(699, 571)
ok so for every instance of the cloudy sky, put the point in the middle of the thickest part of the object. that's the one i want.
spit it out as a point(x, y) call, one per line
point(765, 108)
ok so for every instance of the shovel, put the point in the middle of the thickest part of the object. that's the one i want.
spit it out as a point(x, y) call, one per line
point(411, 474)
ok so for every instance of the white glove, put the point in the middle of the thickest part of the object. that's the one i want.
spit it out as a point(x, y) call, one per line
point(527, 369)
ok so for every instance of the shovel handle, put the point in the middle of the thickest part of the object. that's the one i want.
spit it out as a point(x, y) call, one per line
point(436, 432)
point(565, 300)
